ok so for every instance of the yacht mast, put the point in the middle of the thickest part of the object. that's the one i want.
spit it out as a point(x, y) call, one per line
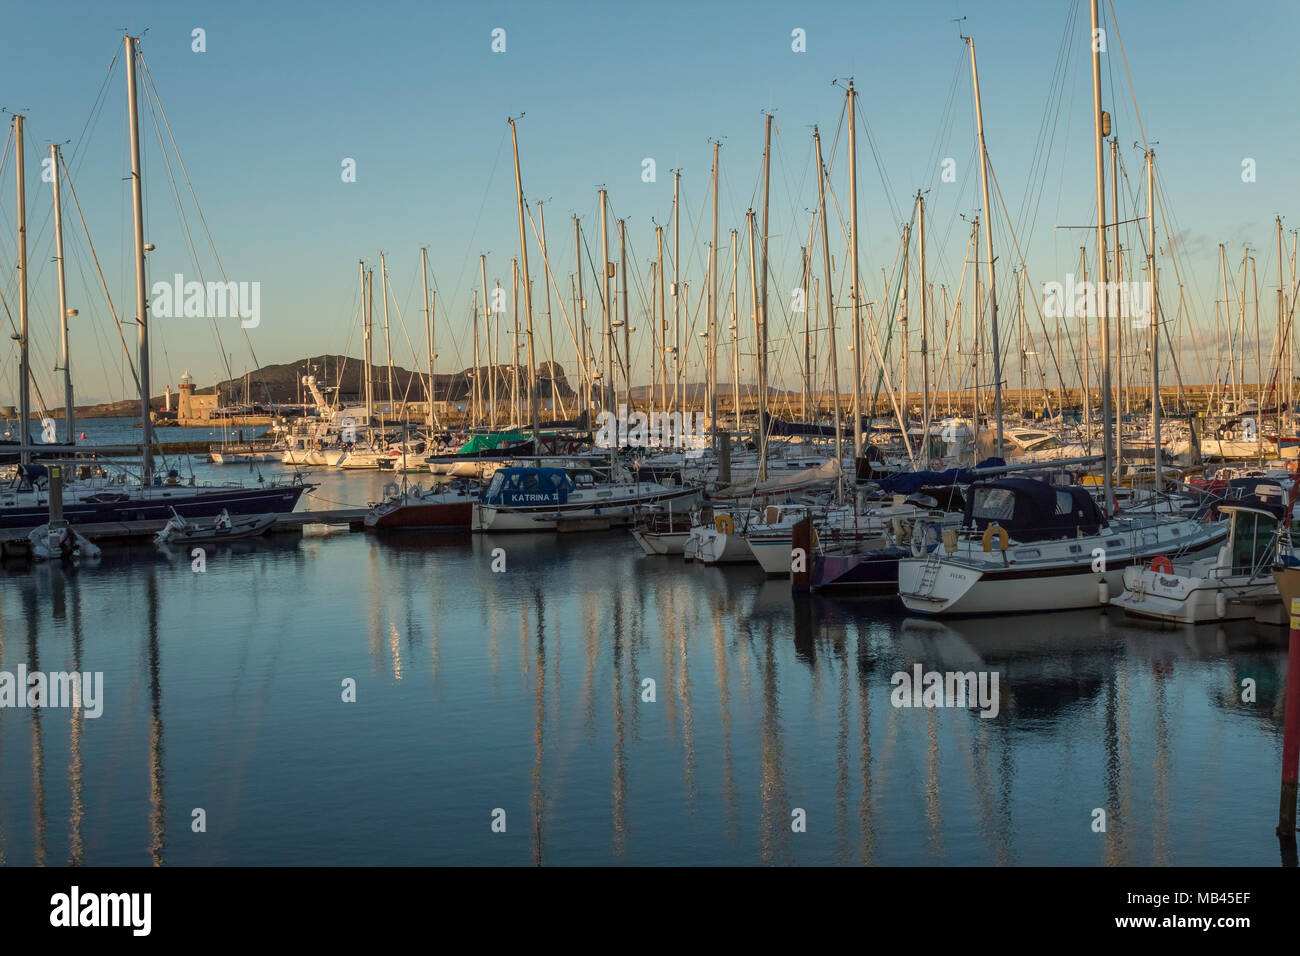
point(713, 306)
point(388, 345)
point(830, 306)
point(607, 384)
point(925, 362)
point(550, 325)
point(141, 303)
point(735, 325)
point(988, 248)
point(528, 300)
point(627, 319)
point(487, 333)
point(69, 415)
point(762, 327)
point(428, 325)
point(758, 337)
point(678, 385)
point(1101, 125)
point(1153, 316)
point(663, 326)
point(854, 291)
point(24, 364)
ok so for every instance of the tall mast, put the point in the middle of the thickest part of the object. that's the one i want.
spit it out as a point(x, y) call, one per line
point(528, 299)
point(584, 365)
point(1101, 128)
point(627, 319)
point(367, 334)
point(1085, 349)
point(428, 325)
point(854, 290)
point(713, 305)
point(805, 260)
point(1283, 351)
point(1121, 393)
point(663, 326)
point(677, 294)
point(1154, 314)
point(762, 326)
point(607, 385)
point(550, 326)
point(758, 337)
point(988, 247)
point(902, 352)
point(24, 363)
point(654, 333)
point(475, 395)
point(141, 304)
point(68, 415)
point(388, 347)
point(735, 325)
point(514, 341)
point(925, 362)
point(487, 332)
point(830, 306)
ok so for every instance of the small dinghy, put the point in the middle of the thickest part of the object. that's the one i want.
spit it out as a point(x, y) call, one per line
point(180, 531)
point(57, 541)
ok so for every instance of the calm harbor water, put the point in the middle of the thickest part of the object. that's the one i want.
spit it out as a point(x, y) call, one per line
point(523, 691)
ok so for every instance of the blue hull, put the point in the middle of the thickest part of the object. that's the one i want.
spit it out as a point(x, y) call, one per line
point(158, 502)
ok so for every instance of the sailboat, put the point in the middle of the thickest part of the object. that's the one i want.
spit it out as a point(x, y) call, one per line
point(25, 499)
point(1029, 546)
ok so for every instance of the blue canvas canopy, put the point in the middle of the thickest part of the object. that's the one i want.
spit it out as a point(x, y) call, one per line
point(1032, 510)
point(529, 486)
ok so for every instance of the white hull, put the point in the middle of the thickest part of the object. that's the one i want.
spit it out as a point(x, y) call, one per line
point(583, 505)
point(1193, 599)
point(661, 543)
point(1039, 576)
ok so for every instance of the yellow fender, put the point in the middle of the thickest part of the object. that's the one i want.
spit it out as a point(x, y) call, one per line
point(1002, 536)
point(724, 524)
point(815, 542)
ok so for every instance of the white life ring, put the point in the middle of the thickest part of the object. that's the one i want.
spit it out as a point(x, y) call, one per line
point(936, 464)
point(392, 489)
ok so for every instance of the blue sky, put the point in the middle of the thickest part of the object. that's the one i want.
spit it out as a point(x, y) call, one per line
point(413, 92)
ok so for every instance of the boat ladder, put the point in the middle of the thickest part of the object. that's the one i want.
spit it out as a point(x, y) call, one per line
point(929, 575)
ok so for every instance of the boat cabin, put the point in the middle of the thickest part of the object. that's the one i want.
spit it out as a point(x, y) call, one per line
point(520, 486)
point(1254, 510)
point(1031, 510)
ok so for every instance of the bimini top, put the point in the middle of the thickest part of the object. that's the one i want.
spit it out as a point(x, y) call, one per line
point(1254, 494)
point(522, 487)
point(1032, 510)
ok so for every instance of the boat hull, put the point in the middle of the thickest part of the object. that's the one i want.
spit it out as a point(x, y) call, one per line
point(159, 504)
point(422, 516)
point(611, 511)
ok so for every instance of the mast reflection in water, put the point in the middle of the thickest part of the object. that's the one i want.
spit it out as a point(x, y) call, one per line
point(761, 706)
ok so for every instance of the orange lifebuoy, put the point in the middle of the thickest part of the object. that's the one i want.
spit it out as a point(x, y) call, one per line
point(1003, 537)
point(1162, 565)
point(724, 525)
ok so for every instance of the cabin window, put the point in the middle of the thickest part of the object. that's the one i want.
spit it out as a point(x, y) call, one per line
point(1075, 549)
point(994, 504)
point(1252, 541)
point(1115, 543)
point(1064, 503)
